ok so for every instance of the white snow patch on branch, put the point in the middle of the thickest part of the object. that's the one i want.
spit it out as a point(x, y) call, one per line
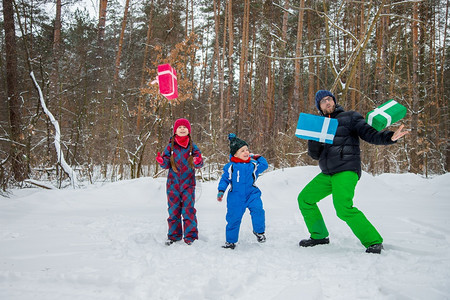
point(69, 171)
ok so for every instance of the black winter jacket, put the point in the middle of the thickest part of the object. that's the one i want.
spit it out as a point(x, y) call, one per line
point(344, 153)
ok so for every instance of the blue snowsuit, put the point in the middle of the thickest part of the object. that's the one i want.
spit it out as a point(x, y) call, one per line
point(243, 194)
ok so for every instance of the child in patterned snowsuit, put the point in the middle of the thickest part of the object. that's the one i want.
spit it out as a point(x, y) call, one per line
point(181, 157)
point(241, 174)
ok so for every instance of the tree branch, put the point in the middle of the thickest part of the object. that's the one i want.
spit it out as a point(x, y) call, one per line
point(292, 58)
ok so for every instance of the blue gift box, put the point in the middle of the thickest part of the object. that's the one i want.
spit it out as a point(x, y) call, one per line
point(316, 128)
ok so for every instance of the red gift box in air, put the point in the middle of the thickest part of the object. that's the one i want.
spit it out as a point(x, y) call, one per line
point(167, 79)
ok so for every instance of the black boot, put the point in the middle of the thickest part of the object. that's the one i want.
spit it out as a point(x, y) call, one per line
point(260, 237)
point(229, 245)
point(313, 242)
point(376, 248)
point(170, 242)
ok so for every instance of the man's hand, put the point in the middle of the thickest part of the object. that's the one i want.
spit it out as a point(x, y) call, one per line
point(399, 133)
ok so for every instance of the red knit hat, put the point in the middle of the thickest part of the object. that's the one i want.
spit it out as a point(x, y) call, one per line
point(181, 122)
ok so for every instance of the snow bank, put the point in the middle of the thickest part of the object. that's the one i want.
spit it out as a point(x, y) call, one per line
point(107, 242)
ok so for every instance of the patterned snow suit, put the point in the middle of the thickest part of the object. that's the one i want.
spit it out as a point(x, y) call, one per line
point(181, 193)
point(243, 194)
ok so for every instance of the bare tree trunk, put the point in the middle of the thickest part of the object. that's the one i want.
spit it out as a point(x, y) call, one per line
point(186, 21)
point(415, 161)
point(385, 58)
point(119, 51)
point(170, 14)
point(54, 85)
point(220, 58)
point(102, 108)
point(144, 64)
point(100, 88)
point(282, 106)
point(54, 97)
point(230, 54)
point(243, 62)
point(17, 152)
point(250, 76)
point(442, 103)
point(328, 53)
point(216, 53)
point(380, 78)
point(362, 30)
point(191, 76)
point(270, 97)
point(298, 87)
point(202, 80)
point(119, 146)
point(311, 87)
point(192, 16)
point(355, 26)
point(394, 64)
point(216, 57)
point(101, 25)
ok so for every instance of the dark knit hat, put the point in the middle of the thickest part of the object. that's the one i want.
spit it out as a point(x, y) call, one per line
point(235, 143)
point(321, 94)
point(181, 122)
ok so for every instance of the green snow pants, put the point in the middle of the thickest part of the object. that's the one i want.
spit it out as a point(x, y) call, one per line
point(342, 188)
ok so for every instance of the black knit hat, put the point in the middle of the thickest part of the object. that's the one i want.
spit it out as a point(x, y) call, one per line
point(235, 143)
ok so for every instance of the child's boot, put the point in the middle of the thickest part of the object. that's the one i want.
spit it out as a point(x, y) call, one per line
point(229, 245)
point(170, 242)
point(260, 237)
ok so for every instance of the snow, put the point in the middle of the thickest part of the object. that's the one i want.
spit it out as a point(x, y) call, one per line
point(107, 242)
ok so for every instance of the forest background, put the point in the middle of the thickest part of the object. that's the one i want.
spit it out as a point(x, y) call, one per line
point(248, 66)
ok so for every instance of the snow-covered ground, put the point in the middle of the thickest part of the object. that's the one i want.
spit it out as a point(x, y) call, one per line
point(107, 242)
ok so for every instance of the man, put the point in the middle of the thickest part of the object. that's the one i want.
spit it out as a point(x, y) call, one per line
point(340, 163)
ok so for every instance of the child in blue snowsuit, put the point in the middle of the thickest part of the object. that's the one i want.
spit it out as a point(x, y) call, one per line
point(181, 157)
point(241, 174)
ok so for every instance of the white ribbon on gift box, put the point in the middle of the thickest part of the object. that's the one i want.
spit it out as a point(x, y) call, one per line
point(381, 111)
point(322, 135)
